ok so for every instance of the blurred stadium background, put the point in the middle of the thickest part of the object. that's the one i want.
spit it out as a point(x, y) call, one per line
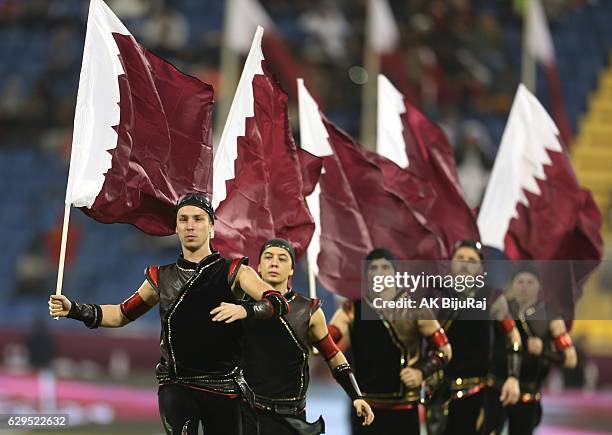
point(463, 59)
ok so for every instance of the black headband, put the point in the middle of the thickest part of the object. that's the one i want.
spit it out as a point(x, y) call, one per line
point(197, 200)
point(279, 243)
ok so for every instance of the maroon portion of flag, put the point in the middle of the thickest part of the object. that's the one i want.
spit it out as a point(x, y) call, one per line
point(384, 194)
point(265, 198)
point(345, 237)
point(164, 146)
point(432, 162)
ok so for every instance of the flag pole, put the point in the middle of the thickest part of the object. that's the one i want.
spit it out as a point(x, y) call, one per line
point(230, 67)
point(528, 69)
point(62, 256)
point(312, 281)
point(371, 63)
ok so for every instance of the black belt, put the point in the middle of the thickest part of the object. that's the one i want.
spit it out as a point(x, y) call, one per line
point(291, 407)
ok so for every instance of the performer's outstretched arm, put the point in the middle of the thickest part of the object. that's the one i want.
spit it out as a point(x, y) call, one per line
point(269, 302)
point(321, 338)
point(109, 316)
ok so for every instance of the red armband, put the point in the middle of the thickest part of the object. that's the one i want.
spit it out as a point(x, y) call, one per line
point(563, 341)
point(335, 333)
point(134, 307)
point(438, 339)
point(508, 324)
point(327, 348)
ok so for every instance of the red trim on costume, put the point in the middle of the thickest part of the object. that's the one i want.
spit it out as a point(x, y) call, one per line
point(326, 347)
point(438, 339)
point(335, 333)
point(153, 274)
point(233, 265)
point(315, 305)
point(391, 407)
point(134, 307)
point(508, 324)
point(563, 341)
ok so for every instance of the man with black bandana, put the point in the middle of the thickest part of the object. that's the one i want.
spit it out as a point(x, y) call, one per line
point(387, 353)
point(459, 404)
point(198, 372)
point(276, 355)
point(546, 342)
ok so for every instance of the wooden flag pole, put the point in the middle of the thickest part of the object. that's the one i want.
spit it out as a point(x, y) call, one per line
point(312, 280)
point(62, 257)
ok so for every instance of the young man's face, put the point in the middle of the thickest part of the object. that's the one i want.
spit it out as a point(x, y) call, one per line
point(466, 261)
point(525, 287)
point(275, 265)
point(193, 227)
point(381, 267)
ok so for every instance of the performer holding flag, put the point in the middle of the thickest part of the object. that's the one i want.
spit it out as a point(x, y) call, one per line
point(141, 154)
point(199, 379)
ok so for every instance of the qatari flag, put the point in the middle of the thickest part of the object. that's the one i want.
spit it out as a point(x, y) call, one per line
point(257, 180)
point(359, 204)
point(534, 207)
point(420, 148)
point(142, 131)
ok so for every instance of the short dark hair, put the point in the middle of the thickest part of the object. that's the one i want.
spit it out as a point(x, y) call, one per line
point(279, 243)
point(378, 253)
point(467, 243)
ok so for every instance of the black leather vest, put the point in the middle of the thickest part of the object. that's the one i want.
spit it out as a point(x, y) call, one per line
point(380, 350)
point(276, 353)
point(194, 349)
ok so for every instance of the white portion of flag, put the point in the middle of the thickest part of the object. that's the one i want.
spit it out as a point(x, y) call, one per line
point(314, 247)
point(243, 107)
point(390, 130)
point(315, 140)
point(314, 136)
point(539, 40)
point(243, 19)
point(383, 34)
point(529, 134)
point(97, 107)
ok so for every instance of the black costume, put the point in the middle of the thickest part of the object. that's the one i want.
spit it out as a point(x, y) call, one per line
point(525, 416)
point(459, 404)
point(380, 350)
point(276, 368)
point(206, 369)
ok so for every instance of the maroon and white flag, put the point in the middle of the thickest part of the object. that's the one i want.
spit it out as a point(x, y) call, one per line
point(257, 179)
point(534, 207)
point(243, 18)
point(341, 239)
point(420, 148)
point(142, 131)
point(359, 204)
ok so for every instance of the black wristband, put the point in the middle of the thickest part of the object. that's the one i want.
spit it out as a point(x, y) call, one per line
point(432, 363)
point(514, 360)
point(345, 377)
point(89, 314)
point(553, 356)
point(272, 306)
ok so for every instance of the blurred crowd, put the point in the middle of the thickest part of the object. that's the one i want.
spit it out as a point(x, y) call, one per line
point(460, 59)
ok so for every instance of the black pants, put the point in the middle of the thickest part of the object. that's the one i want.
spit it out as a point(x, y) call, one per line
point(466, 416)
point(268, 423)
point(182, 409)
point(387, 422)
point(523, 418)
